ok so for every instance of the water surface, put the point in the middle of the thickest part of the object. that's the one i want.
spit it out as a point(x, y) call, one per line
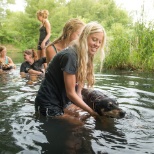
point(22, 132)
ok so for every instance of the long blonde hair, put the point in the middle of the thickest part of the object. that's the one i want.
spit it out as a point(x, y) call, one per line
point(69, 28)
point(85, 60)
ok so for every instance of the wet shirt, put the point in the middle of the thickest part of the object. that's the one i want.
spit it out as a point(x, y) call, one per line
point(37, 65)
point(52, 93)
point(6, 60)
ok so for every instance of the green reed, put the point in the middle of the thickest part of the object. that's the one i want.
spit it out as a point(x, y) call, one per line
point(131, 48)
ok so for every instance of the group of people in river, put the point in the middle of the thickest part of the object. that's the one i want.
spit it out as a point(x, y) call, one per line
point(67, 64)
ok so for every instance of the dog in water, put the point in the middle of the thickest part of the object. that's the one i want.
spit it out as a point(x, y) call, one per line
point(102, 104)
point(99, 102)
point(105, 106)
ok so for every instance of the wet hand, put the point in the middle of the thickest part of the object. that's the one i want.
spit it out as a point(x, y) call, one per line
point(14, 66)
point(94, 114)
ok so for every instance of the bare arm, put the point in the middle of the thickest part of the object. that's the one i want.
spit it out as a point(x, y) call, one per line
point(79, 89)
point(50, 53)
point(34, 72)
point(11, 63)
point(70, 81)
point(48, 29)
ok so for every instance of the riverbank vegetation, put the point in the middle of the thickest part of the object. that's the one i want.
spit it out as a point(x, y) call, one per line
point(130, 45)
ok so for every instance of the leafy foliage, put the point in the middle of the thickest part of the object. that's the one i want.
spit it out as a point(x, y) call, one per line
point(129, 46)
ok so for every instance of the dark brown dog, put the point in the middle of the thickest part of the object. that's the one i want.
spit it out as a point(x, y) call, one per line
point(102, 104)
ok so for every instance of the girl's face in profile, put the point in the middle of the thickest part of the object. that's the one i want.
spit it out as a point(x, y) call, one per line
point(27, 57)
point(3, 52)
point(39, 18)
point(76, 34)
point(94, 42)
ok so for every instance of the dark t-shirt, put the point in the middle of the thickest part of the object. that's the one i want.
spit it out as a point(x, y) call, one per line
point(52, 93)
point(37, 65)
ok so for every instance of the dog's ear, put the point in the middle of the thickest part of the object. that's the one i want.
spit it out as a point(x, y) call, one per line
point(98, 107)
point(112, 104)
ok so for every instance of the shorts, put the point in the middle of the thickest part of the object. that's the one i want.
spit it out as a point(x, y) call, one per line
point(39, 44)
point(53, 111)
point(47, 108)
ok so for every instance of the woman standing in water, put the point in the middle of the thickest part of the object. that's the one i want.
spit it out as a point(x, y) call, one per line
point(68, 71)
point(71, 31)
point(45, 32)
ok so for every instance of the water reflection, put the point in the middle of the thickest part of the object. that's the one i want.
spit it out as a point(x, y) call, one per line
point(23, 132)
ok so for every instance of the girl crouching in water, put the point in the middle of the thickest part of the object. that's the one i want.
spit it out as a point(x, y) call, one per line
point(71, 66)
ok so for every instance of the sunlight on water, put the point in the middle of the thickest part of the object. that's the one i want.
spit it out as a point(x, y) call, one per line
point(23, 132)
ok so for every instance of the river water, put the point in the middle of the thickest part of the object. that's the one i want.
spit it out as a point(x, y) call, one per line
point(23, 132)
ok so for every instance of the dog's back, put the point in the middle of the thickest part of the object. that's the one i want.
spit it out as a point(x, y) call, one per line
point(91, 95)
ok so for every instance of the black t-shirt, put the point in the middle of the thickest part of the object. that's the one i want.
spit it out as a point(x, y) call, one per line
point(52, 91)
point(37, 65)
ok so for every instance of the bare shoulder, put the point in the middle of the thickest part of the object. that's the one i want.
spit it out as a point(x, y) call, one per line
point(46, 22)
point(50, 53)
point(50, 49)
point(9, 58)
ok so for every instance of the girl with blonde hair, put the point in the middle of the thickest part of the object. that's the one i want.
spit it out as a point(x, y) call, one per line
point(45, 32)
point(68, 71)
point(71, 31)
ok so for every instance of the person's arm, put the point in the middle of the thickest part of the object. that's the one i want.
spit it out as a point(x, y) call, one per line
point(23, 74)
point(79, 89)
point(11, 63)
point(48, 29)
point(50, 53)
point(34, 72)
point(70, 82)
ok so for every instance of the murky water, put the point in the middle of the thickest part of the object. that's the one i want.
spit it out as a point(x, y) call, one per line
point(22, 132)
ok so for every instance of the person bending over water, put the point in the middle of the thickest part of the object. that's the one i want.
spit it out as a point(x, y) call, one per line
point(5, 61)
point(32, 65)
point(67, 73)
point(71, 31)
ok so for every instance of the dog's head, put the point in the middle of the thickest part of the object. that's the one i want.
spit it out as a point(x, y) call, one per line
point(102, 104)
point(108, 107)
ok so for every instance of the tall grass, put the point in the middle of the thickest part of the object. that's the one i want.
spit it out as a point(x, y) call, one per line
point(131, 48)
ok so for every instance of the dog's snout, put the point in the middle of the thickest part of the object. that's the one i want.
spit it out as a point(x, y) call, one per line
point(122, 114)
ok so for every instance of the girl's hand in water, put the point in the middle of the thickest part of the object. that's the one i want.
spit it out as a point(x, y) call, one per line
point(94, 114)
